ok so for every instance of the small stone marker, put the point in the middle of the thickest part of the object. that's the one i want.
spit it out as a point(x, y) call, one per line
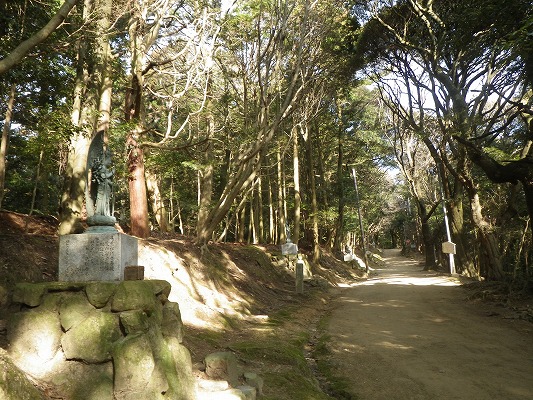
point(289, 248)
point(300, 276)
point(252, 379)
point(349, 257)
point(249, 392)
point(222, 366)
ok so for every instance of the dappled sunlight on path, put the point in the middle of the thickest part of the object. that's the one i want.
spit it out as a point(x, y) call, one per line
point(406, 333)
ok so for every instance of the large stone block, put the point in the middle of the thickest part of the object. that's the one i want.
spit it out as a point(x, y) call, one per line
point(74, 309)
point(34, 339)
point(98, 256)
point(134, 321)
point(93, 338)
point(134, 295)
point(136, 371)
point(99, 293)
point(29, 293)
point(185, 389)
point(81, 381)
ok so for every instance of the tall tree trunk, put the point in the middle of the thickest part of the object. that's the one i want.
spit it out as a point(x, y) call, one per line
point(323, 199)
point(36, 182)
point(140, 224)
point(205, 189)
point(251, 230)
point(312, 188)
point(271, 218)
point(489, 243)
point(258, 211)
point(282, 235)
point(339, 229)
point(427, 237)
point(5, 140)
point(241, 224)
point(158, 205)
point(296, 182)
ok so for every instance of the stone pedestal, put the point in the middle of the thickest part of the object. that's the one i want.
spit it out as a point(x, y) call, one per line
point(96, 256)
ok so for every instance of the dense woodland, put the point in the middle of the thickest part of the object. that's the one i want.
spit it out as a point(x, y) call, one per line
point(252, 120)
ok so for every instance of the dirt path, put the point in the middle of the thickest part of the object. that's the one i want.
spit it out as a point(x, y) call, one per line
point(409, 334)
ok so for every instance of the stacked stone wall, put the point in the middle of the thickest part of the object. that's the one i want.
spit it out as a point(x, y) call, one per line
point(101, 340)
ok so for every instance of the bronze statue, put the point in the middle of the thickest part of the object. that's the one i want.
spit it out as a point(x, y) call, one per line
point(99, 183)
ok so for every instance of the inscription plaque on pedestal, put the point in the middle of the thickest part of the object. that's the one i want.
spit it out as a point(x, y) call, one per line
point(100, 256)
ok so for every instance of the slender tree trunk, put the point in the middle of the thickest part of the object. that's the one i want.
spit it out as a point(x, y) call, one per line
point(241, 224)
point(37, 181)
point(260, 219)
point(175, 211)
point(296, 182)
point(257, 211)
point(251, 224)
point(339, 229)
point(323, 199)
point(158, 205)
point(5, 140)
point(282, 236)
point(205, 190)
point(271, 219)
point(427, 238)
point(312, 188)
point(488, 240)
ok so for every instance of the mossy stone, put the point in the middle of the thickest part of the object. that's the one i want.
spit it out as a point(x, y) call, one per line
point(30, 294)
point(80, 381)
point(92, 339)
point(160, 287)
point(136, 372)
point(134, 321)
point(171, 325)
point(74, 309)
point(186, 387)
point(52, 302)
point(99, 293)
point(134, 295)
